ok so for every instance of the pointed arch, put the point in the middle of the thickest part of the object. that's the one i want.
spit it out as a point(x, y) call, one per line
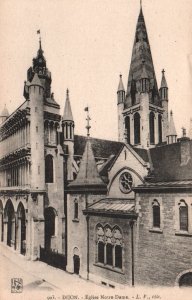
point(160, 128)
point(49, 176)
point(21, 229)
point(9, 215)
point(50, 225)
point(152, 127)
point(137, 133)
point(127, 129)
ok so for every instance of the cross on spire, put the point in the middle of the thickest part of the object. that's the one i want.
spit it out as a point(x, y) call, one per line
point(163, 72)
point(88, 121)
point(140, 3)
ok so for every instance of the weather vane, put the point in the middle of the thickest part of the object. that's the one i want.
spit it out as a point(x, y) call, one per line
point(88, 121)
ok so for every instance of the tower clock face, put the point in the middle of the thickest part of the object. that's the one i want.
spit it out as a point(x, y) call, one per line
point(40, 60)
point(126, 182)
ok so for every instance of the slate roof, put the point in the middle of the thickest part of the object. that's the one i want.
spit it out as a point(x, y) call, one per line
point(101, 148)
point(112, 206)
point(167, 162)
point(88, 175)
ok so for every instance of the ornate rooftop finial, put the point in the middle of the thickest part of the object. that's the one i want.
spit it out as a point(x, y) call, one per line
point(88, 121)
point(141, 4)
point(39, 32)
point(183, 132)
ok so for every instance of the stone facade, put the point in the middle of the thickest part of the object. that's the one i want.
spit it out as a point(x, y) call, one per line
point(117, 213)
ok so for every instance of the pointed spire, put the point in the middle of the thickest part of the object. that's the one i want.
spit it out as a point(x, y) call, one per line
point(5, 112)
point(163, 80)
point(171, 129)
point(141, 52)
point(120, 86)
point(88, 176)
point(67, 116)
point(36, 80)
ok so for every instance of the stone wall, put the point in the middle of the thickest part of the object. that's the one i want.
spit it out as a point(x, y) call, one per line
point(161, 255)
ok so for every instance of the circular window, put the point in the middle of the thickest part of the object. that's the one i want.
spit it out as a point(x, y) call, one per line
point(126, 182)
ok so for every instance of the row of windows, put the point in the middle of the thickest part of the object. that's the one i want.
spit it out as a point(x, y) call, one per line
point(183, 215)
point(137, 129)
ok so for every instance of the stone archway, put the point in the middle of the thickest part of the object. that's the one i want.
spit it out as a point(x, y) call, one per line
point(186, 280)
point(10, 223)
point(21, 229)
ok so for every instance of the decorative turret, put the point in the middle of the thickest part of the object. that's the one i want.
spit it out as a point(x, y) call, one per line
point(39, 67)
point(190, 129)
point(4, 114)
point(68, 136)
point(67, 122)
point(164, 87)
point(120, 108)
point(36, 97)
point(120, 91)
point(172, 134)
point(144, 80)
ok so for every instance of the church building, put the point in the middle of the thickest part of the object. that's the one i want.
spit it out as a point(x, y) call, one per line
point(118, 213)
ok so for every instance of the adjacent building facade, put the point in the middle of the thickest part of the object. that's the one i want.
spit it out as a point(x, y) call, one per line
point(115, 212)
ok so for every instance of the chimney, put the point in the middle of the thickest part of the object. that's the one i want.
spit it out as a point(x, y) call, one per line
point(185, 148)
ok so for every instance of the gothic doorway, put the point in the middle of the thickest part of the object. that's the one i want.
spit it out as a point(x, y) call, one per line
point(21, 229)
point(50, 215)
point(10, 218)
point(76, 260)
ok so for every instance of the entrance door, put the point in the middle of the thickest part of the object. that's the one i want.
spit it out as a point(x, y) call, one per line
point(76, 261)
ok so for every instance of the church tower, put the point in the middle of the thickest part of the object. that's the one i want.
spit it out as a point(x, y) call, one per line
point(142, 113)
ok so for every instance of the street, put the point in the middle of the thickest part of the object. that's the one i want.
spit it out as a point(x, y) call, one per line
point(37, 277)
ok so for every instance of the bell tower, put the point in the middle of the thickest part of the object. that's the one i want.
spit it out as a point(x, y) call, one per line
point(142, 111)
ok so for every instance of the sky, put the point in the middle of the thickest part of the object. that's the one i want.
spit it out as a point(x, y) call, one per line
point(87, 44)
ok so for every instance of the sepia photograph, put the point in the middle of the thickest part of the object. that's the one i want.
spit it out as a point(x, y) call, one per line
point(96, 149)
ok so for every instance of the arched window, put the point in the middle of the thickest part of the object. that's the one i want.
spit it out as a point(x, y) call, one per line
point(137, 139)
point(156, 214)
point(101, 250)
point(76, 209)
point(109, 254)
point(127, 129)
point(160, 128)
point(49, 168)
point(152, 127)
point(183, 216)
point(109, 246)
point(49, 225)
point(118, 256)
point(133, 92)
